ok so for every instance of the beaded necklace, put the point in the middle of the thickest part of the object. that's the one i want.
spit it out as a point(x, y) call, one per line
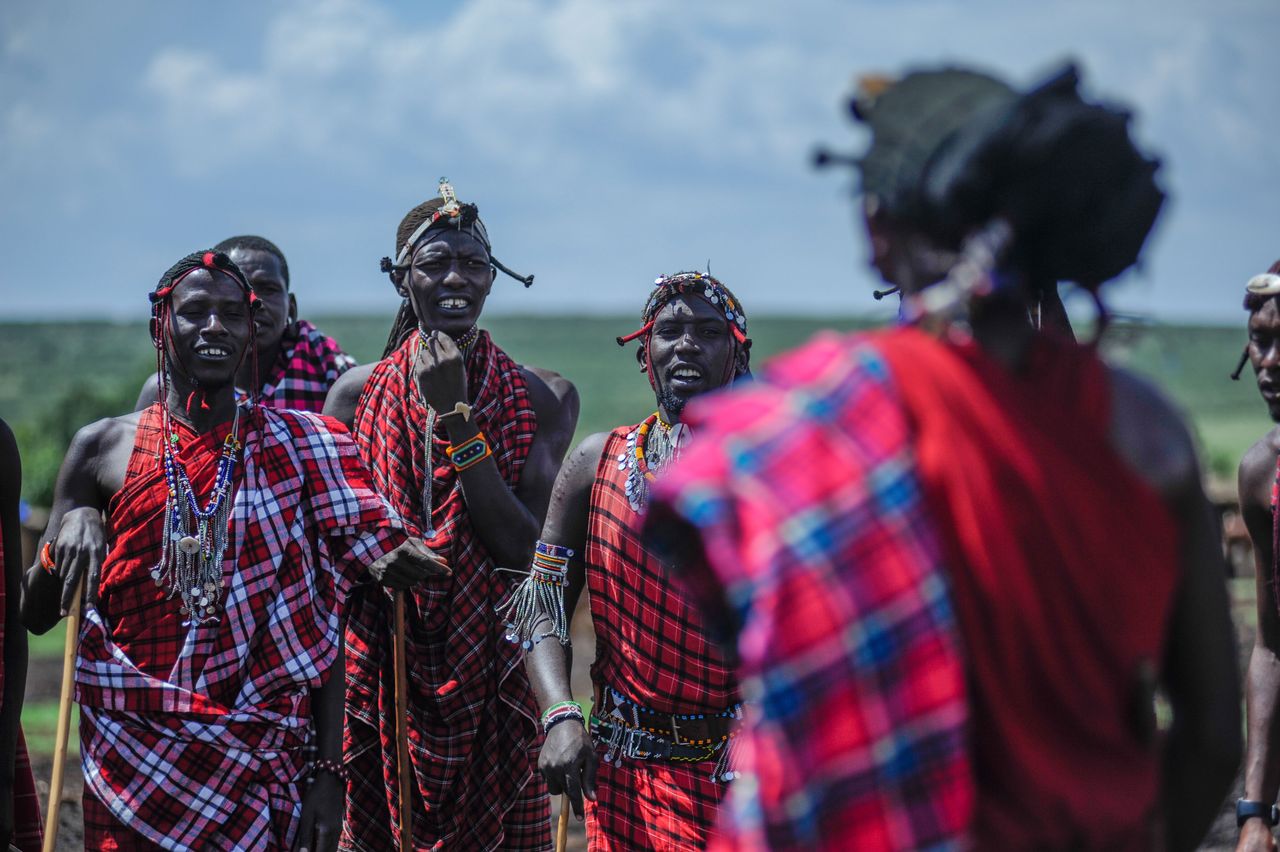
point(465, 342)
point(648, 451)
point(195, 538)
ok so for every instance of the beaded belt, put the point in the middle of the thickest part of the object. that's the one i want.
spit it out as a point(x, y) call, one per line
point(627, 729)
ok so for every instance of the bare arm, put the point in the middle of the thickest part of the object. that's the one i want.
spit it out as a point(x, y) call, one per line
point(1262, 688)
point(91, 472)
point(15, 636)
point(149, 394)
point(324, 801)
point(567, 760)
point(1202, 749)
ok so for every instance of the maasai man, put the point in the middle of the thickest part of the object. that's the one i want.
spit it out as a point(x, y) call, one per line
point(212, 638)
point(657, 676)
point(297, 363)
point(1256, 813)
point(20, 823)
point(959, 565)
point(465, 443)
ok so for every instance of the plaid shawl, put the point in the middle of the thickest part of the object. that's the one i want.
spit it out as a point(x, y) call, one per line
point(472, 712)
point(202, 746)
point(309, 363)
point(651, 647)
point(27, 823)
point(855, 737)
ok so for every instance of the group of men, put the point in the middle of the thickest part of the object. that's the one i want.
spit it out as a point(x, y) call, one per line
point(918, 588)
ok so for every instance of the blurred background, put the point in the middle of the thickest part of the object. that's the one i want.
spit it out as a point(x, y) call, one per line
point(605, 143)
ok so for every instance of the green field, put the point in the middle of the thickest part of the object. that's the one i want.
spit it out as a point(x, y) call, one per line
point(58, 377)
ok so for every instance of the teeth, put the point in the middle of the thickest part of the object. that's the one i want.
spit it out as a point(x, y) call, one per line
point(453, 303)
point(686, 373)
point(214, 351)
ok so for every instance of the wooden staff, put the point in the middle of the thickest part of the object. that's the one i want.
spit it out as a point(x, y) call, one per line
point(64, 719)
point(562, 827)
point(402, 728)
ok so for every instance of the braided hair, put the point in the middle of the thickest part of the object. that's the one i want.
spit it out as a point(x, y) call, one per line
point(252, 242)
point(162, 301)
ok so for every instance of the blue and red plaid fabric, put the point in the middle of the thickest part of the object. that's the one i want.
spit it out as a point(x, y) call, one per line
point(203, 746)
point(309, 363)
point(651, 647)
point(802, 491)
point(472, 716)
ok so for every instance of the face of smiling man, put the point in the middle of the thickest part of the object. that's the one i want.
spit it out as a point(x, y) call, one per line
point(448, 280)
point(208, 328)
point(690, 350)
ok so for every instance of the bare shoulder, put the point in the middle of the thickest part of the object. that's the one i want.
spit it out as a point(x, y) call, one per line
point(554, 398)
point(578, 474)
point(1148, 431)
point(344, 396)
point(1258, 470)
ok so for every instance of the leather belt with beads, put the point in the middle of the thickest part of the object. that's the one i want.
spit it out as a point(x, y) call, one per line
point(644, 734)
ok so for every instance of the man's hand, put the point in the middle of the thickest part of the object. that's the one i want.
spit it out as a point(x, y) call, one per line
point(408, 565)
point(322, 807)
point(441, 372)
point(568, 761)
point(1256, 836)
point(80, 547)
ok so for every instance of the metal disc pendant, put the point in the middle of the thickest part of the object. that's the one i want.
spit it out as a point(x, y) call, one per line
point(189, 545)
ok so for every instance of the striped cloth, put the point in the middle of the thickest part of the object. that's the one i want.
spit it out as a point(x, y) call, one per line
point(651, 647)
point(27, 833)
point(309, 363)
point(472, 716)
point(856, 736)
point(193, 737)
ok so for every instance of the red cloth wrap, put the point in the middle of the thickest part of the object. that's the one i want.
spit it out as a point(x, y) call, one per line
point(1062, 564)
point(651, 646)
point(472, 715)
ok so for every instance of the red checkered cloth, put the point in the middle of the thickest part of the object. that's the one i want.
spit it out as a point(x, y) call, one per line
point(193, 737)
point(1062, 563)
point(652, 648)
point(472, 726)
point(309, 363)
point(27, 824)
point(855, 732)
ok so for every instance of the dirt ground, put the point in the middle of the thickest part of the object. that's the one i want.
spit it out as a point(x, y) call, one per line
point(44, 676)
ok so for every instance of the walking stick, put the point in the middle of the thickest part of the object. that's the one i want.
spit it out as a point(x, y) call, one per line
point(562, 827)
point(64, 720)
point(402, 728)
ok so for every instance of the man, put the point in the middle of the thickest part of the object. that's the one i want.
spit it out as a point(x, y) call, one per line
point(657, 675)
point(465, 444)
point(1259, 471)
point(957, 566)
point(20, 823)
point(212, 636)
point(296, 364)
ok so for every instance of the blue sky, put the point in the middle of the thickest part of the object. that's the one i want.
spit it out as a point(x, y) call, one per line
point(605, 142)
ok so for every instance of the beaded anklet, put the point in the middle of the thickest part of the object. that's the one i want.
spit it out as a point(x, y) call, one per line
point(540, 595)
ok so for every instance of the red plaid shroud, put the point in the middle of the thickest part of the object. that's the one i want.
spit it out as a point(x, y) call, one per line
point(309, 363)
point(472, 725)
point(193, 737)
point(651, 647)
point(27, 832)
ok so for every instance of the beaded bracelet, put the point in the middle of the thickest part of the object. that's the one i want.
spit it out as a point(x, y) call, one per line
point(46, 558)
point(469, 453)
point(332, 767)
point(557, 713)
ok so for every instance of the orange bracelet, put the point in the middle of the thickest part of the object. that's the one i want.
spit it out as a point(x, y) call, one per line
point(46, 558)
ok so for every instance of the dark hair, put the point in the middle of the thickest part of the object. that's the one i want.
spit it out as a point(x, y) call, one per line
point(210, 259)
point(252, 242)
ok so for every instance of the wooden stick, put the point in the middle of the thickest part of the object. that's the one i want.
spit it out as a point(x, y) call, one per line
point(64, 720)
point(562, 827)
point(402, 728)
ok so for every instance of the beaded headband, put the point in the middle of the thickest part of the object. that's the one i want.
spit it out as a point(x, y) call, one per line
point(214, 261)
point(667, 287)
point(451, 214)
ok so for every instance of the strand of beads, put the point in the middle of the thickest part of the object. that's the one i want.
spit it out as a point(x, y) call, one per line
point(195, 538)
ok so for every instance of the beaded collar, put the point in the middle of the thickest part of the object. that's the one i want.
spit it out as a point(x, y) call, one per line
point(648, 451)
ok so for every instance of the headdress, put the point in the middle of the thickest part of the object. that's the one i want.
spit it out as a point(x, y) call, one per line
point(1041, 182)
point(1257, 292)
